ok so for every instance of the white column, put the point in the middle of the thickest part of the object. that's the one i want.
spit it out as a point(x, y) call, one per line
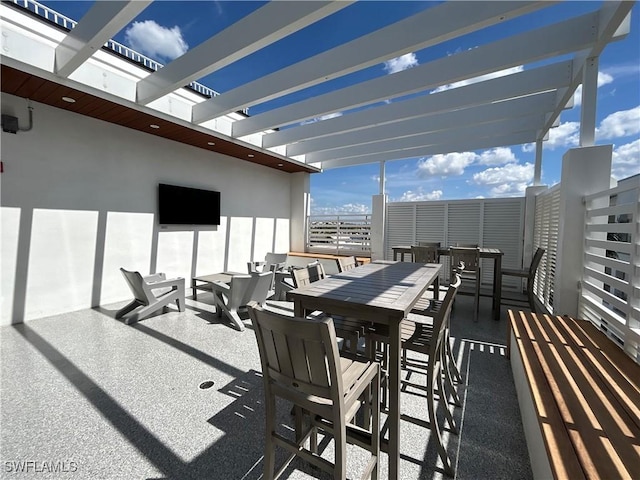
point(537, 169)
point(300, 199)
point(382, 178)
point(530, 221)
point(589, 100)
point(585, 171)
point(378, 219)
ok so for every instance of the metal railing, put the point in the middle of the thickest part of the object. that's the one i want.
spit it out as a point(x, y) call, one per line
point(339, 234)
point(122, 50)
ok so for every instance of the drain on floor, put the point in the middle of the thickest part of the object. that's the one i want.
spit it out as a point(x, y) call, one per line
point(207, 384)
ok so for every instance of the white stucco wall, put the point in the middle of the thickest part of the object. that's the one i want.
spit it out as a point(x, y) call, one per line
point(79, 200)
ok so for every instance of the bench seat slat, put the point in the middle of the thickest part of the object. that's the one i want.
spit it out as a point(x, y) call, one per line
point(586, 401)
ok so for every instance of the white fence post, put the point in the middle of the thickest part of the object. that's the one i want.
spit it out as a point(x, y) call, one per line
point(584, 171)
point(378, 219)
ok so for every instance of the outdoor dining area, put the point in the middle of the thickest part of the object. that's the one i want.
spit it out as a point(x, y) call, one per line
point(181, 394)
point(171, 309)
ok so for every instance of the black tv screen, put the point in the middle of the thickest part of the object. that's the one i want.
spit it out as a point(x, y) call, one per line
point(188, 206)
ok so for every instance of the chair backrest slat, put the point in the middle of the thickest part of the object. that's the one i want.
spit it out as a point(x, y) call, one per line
point(424, 254)
point(299, 355)
point(307, 275)
point(346, 263)
point(535, 262)
point(470, 257)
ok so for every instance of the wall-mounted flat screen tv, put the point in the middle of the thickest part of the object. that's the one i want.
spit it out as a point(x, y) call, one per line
point(187, 206)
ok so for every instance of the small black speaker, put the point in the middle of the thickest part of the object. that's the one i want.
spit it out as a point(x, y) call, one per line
point(10, 124)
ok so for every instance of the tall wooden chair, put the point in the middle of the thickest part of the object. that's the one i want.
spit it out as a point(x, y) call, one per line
point(351, 330)
point(466, 260)
point(529, 274)
point(346, 263)
point(424, 254)
point(435, 245)
point(301, 364)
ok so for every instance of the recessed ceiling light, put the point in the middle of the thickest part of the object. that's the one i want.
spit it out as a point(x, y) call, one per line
point(69, 99)
point(211, 143)
point(281, 165)
point(251, 155)
point(153, 125)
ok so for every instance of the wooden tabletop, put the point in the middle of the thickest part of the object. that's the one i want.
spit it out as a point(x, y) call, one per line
point(376, 291)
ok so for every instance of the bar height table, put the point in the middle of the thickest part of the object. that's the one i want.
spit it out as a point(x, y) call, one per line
point(492, 253)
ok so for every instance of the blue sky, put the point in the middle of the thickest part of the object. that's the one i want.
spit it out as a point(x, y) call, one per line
point(166, 29)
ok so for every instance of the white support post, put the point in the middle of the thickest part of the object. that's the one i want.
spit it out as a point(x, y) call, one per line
point(537, 169)
point(378, 226)
point(530, 221)
point(300, 199)
point(584, 171)
point(382, 177)
point(589, 101)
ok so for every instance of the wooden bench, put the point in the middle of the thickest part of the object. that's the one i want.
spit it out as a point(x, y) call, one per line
point(579, 397)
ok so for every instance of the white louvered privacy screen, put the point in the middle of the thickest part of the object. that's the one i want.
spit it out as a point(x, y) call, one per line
point(491, 223)
point(545, 235)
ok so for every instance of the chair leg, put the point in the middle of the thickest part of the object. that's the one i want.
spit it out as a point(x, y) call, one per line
point(433, 422)
point(180, 303)
point(477, 300)
point(269, 448)
point(340, 442)
point(235, 319)
point(128, 308)
point(452, 363)
point(442, 393)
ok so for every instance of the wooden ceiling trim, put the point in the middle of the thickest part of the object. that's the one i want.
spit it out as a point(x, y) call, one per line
point(32, 87)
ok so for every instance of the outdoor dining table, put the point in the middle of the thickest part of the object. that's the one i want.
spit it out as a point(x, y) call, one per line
point(382, 292)
point(491, 253)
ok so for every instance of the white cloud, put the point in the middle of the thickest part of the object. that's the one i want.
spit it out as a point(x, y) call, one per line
point(499, 175)
point(355, 208)
point(624, 123)
point(497, 156)
point(445, 165)
point(507, 181)
point(565, 135)
point(419, 196)
point(399, 64)
point(481, 78)
point(626, 160)
point(603, 79)
point(451, 164)
point(155, 40)
point(321, 118)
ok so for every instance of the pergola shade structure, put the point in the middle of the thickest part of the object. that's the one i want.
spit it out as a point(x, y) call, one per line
point(514, 88)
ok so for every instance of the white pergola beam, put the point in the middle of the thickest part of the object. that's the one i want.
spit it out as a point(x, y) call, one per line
point(434, 25)
point(561, 38)
point(614, 24)
point(266, 25)
point(456, 146)
point(500, 128)
point(103, 21)
point(537, 104)
point(536, 80)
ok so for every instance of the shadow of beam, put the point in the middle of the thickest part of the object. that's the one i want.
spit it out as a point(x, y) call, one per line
point(141, 438)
